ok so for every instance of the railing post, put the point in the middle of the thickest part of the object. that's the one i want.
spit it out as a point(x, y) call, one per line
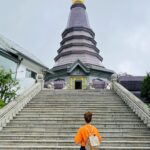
point(40, 79)
point(114, 78)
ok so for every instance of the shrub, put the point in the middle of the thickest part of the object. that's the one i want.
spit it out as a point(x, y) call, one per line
point(2, 103)
point(145, 90)
point(8, 86)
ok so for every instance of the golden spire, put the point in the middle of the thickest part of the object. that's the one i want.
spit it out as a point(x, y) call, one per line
point(78, 1)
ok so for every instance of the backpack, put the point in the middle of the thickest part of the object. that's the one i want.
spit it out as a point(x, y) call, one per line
point(92, 142)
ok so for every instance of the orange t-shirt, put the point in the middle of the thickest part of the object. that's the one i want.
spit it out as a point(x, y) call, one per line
point(83, 134)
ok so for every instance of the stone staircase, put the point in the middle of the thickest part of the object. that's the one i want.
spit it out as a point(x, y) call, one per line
point(51, 119)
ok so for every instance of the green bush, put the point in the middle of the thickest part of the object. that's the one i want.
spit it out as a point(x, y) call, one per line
point(145, 90)
point(8, 86)
point(2, 103)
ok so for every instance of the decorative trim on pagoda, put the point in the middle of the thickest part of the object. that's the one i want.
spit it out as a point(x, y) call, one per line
point(78, 37)
point(72, 29)
point(78, 44)
point(78, 52)
point(78, 5)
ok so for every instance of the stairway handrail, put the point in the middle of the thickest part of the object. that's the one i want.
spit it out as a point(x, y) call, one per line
point(9, 111)
point(133, 102)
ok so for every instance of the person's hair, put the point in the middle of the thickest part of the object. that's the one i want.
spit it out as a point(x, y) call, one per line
point(88, 117)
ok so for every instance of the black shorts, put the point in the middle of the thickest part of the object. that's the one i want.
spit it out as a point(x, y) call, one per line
point(82, 148)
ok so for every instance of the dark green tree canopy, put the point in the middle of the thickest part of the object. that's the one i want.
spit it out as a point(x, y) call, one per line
point(145, 91)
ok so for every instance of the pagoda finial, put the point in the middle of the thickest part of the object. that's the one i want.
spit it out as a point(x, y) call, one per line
point(78, 1)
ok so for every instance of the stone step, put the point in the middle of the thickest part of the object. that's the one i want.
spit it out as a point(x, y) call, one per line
point(78, 114)
point(62, 109)
point(69, 90)
point(79, 101)
point(72, 93)
point(68, 148)
point(67, 110)
point(76, 93)
point(77, 97)
point(94, 120)
point(68, 137)
point(56, 102)
point(86, 101)
point(77, 106)
point(71, 143)
point(59, 133)
point(104, 125)
point(67, 123)
point(77, 122)
point(98, 117)
point(69, 117)
point(80, 95)
point(64, 127)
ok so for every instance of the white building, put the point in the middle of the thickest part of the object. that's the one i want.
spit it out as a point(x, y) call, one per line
point(22, 63)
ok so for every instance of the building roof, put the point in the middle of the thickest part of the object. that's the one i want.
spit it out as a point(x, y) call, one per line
point(131, 78)
point(11, 47)
point(88, 66)
point(80, 64)
point(101, 68)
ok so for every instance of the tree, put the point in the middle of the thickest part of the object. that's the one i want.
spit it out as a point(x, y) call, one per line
point(145, 90)
point(2, 103)
point(8, 86)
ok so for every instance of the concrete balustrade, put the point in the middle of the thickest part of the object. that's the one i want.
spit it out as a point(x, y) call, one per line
point(14, 107)
point(132, 101)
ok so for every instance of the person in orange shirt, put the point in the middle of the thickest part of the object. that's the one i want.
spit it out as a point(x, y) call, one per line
point(83, 132)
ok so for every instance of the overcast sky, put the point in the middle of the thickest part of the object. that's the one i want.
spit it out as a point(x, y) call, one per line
point(122, 29)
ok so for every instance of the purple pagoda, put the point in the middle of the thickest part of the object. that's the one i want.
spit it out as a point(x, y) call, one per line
point(78, 64)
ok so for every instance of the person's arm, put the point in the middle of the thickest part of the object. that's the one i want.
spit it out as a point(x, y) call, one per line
point(78, 137)
point(99, 136)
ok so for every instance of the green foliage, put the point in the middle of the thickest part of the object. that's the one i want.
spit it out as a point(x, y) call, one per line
point(8, 86)
point(145, 91)
point(2, 103)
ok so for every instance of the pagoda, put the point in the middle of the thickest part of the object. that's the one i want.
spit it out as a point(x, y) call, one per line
point(78, 64)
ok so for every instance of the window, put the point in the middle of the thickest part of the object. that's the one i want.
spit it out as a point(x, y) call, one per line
point(8, 65)
point(59, 84)
point(99, 84)
point(30, 74)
